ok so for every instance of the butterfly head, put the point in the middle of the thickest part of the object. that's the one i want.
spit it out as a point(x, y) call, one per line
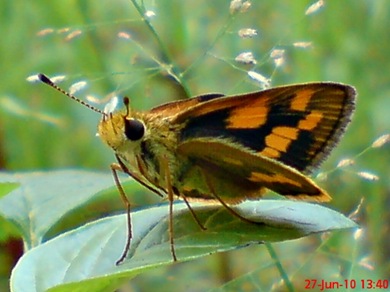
point(118, 128)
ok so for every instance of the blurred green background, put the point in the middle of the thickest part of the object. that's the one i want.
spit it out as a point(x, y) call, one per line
point(198, 41)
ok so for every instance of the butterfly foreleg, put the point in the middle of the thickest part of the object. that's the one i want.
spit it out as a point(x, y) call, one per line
point(114, 168)
point(120, 166)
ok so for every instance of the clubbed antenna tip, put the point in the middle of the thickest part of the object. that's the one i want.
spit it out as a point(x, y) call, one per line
point(46, 80)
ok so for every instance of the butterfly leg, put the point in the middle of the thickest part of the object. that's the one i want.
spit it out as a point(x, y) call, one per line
point(114, 168)
point(168, 180)
point(192, 212)
point(212, 191)
point(120, 166)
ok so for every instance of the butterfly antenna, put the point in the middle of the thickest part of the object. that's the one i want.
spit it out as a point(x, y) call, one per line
point(126, 101)
point(46, 80)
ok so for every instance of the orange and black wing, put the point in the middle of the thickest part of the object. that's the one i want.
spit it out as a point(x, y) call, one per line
point(296, 125)
point(175, 107)
point(238, 174)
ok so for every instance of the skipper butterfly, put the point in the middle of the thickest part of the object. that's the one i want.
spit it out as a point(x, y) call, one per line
point(227, 148)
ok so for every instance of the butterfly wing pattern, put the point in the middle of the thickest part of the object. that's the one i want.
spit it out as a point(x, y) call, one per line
point(269, 139)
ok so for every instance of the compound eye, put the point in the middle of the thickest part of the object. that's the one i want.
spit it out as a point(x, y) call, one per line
point(134, 129)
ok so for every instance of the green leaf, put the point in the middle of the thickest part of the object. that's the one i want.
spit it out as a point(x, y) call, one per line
point(45, 197)
point(7, 187)
point(84, 259)
point(7, 229)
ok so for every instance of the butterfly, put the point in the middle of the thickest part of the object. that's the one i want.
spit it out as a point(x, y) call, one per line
point(227, 148)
